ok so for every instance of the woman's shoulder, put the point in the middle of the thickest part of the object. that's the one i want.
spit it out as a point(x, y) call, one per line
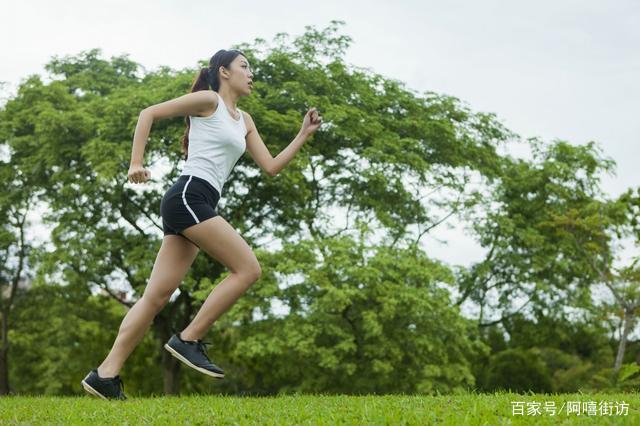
point(210, 101)
point(246, 116)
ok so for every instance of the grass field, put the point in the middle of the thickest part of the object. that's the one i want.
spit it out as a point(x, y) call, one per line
point(472, 409)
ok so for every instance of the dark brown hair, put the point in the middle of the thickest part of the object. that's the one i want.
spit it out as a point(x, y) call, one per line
point(206, 79)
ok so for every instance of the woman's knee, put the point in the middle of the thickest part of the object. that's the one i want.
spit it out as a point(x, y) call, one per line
point(157, 302)
point(251, 272)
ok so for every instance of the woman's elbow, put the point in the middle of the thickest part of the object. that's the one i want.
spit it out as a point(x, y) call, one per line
point(271, 170)
point(147, 112)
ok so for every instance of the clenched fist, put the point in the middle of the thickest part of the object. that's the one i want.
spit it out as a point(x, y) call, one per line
point(138, 174)
point(311, 121)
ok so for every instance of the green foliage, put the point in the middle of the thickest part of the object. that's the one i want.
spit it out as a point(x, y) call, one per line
point(586, 338)
point(537, 226)
point(626, 379)
point(519, 370)
point(571, 351)
point(61, 332)
point(365, 311)
point(360, 320)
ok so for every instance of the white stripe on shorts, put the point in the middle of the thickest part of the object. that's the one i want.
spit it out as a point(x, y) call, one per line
point(184, 200)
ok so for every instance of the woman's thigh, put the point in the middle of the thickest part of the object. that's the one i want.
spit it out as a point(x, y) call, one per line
point(222, 242)
point(174, 259)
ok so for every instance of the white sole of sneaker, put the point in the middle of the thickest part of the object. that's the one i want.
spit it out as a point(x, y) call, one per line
point(92, 391)
point(195, 367)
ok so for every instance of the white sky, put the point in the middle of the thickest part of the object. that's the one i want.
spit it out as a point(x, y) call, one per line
point(553, 69)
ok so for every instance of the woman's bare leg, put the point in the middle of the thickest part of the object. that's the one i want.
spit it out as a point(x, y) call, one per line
point(172, 263)
point(222, 242)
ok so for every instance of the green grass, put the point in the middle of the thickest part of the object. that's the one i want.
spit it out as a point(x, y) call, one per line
point(473, 409)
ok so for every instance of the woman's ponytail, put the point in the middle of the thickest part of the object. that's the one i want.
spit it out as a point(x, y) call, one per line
point(201, 82)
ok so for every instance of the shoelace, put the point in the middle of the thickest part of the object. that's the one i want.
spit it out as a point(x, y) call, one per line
point(202, 348)
point(120, 384)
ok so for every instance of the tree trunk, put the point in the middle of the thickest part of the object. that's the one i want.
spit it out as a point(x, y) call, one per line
point(627, 327)
point(170, 365)
point(171, 373)
point(163, 326)
point(4, 373)
point(4, 356)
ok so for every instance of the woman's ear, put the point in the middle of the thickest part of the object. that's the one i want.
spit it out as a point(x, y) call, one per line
point(225, 72)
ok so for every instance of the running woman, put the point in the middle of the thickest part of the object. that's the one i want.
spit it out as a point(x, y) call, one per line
point(217, 134)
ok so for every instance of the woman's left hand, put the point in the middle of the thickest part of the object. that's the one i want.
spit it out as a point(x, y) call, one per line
point(311, 122)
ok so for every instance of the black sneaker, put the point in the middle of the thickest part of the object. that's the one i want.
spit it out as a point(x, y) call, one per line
point(194, 354)
point(104, 387)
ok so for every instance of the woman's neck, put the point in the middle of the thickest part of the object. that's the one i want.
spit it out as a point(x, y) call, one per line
point(230, 98)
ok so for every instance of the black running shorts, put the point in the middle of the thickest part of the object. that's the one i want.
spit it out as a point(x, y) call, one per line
point(189, 201)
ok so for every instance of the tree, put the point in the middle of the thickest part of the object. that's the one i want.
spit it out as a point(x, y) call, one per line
point(15, 250)
point(607, 220)
point(383, 153)
point(359, 320)
point(531, 261)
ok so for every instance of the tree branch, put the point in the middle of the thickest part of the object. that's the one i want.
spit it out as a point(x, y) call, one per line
point(455, 209)
point(115, 296)
point(136, 205)
point(504, 317)
point(16, 278)
point(131, 222)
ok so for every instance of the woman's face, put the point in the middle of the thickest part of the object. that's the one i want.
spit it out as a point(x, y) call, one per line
point(240, 76)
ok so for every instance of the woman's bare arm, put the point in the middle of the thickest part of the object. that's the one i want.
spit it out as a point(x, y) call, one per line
point(194, 103)
point(260, 153)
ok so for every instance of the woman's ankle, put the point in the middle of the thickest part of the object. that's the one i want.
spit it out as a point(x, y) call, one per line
point(181, 336)
point(107, 373)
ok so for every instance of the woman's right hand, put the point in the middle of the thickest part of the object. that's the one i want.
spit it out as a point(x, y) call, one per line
point(138, 174)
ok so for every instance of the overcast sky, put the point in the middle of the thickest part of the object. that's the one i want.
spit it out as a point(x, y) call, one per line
point(552, 69)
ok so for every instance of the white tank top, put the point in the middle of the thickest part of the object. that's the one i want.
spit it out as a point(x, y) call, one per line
point(216, 142)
